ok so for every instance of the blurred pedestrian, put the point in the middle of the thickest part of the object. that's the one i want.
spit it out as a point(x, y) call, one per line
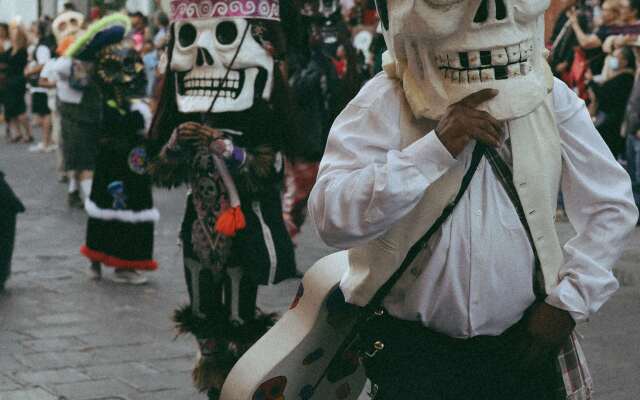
point(610, 98)
point(10, 207)
point(40, 110)
point(14, 97)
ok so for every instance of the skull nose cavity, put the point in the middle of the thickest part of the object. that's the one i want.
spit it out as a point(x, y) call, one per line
point(204, 57)
point(490, 10)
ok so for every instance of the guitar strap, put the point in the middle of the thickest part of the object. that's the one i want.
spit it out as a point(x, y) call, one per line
point(415, 250)
point(505, 176)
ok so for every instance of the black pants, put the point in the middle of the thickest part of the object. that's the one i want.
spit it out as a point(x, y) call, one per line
point(7, 238)
point(419, 364)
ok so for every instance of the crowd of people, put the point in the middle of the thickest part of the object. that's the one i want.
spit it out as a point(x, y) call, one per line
point(239, 109)
point(93, 85)
point(595, 47)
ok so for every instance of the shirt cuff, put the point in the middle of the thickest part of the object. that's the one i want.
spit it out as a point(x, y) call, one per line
point(566, 297)
point(430, 156)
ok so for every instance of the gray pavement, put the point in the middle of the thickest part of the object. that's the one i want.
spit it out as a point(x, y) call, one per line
point(63, 336)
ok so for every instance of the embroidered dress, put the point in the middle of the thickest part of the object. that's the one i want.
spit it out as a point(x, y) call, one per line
point(120, 208)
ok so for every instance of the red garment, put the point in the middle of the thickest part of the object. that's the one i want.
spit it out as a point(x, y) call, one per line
point(575, 77)
point(299, 180)
point(341, 67)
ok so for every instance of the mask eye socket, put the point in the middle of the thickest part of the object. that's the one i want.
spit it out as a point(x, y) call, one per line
point(74, 22)
point(187, 35)
point(226, 32)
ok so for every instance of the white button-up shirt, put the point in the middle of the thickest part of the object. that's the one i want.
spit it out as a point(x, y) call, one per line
point(476, 276)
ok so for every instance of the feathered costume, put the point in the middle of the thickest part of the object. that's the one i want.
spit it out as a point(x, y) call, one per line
point(226, 71)
point(120, 208)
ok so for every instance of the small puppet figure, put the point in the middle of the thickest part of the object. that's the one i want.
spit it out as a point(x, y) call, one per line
point(120, 208)
point(220, 128)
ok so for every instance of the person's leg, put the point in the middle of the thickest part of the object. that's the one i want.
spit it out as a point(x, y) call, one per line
point(86, 180)
point(247, 298)
point(7, 240)
point(25, 127)
point(45, 123)
point(73, 195)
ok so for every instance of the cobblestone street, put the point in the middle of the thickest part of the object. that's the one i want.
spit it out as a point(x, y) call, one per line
point(63, 336)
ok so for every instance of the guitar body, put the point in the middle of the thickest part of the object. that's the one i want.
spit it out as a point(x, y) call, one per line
point(297, 359)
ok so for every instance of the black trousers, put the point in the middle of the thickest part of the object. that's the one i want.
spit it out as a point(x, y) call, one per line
point(7, 239)
point(419, 364)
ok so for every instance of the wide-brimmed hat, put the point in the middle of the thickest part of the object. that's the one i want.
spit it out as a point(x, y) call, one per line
point(102, 33)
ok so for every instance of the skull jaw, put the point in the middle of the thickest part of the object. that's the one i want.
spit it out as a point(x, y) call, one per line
point(244, 101)
point(517, 97)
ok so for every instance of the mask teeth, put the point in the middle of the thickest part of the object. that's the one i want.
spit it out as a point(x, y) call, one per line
point(486, 65)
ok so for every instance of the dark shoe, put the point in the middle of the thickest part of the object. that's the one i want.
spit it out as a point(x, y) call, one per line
point(74, 200)
point(95, 271)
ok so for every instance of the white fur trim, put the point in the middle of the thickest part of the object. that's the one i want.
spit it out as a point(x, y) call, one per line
point(150, 215)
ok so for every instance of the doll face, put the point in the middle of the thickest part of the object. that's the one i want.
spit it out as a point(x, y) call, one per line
point(219, 58)
point(453, 48)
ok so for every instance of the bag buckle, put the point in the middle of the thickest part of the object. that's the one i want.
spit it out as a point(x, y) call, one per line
point(377, 346)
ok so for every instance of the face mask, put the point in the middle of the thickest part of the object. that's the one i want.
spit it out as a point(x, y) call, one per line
point(614, 63)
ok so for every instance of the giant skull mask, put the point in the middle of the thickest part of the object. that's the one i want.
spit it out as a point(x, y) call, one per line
point(206, 42)
point(67, 24)
point(448, 49)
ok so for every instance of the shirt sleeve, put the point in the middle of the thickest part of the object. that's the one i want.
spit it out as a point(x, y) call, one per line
point(366, 182)
point(600, 206)
point(43, 54)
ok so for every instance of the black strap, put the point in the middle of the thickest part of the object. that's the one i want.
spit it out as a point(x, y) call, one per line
point(505, 176)
point(378, 298)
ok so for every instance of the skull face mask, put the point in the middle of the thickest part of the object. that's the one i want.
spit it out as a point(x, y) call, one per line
point(447, 49)
point(121, 67)
point(67, 24)
point(218, 54)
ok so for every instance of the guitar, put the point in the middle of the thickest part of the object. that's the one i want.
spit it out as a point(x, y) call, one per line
point(308, 354)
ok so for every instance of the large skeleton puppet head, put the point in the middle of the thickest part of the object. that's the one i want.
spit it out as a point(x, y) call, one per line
point(447, 49)
point(227, 66)
point(68, 23)
point(224, 51)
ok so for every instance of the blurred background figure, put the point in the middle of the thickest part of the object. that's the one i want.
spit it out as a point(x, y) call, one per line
point(41, 53)
point(11, 207)
point(15, 107)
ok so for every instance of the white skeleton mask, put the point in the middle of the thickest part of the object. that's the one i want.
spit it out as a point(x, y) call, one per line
point(202, 54)
point(449, 49)
point(66, 24)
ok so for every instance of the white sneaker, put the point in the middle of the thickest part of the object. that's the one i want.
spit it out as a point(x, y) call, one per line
point(37, 148)
point(128, 276)
point(50, 148)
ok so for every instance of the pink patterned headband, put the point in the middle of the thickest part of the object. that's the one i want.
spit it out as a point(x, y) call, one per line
point(204, 9)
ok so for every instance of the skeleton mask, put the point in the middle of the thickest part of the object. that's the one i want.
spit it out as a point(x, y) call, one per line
point(66, 24)
point(121, 65)
point(216, 53)
point(448, 49)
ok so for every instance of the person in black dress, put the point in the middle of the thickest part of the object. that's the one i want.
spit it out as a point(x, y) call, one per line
point(15, 107)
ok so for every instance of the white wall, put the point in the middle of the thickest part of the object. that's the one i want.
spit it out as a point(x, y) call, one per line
point(144, 6)
point(27, 10)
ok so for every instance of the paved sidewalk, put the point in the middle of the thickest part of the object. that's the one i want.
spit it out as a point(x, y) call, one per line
point(63, 336)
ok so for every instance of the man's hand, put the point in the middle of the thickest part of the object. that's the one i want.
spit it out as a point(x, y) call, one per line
point(547, 330)
point(193, 131)
point(463, 122)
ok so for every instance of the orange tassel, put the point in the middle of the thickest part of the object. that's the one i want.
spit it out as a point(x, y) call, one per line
point(230, 222)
